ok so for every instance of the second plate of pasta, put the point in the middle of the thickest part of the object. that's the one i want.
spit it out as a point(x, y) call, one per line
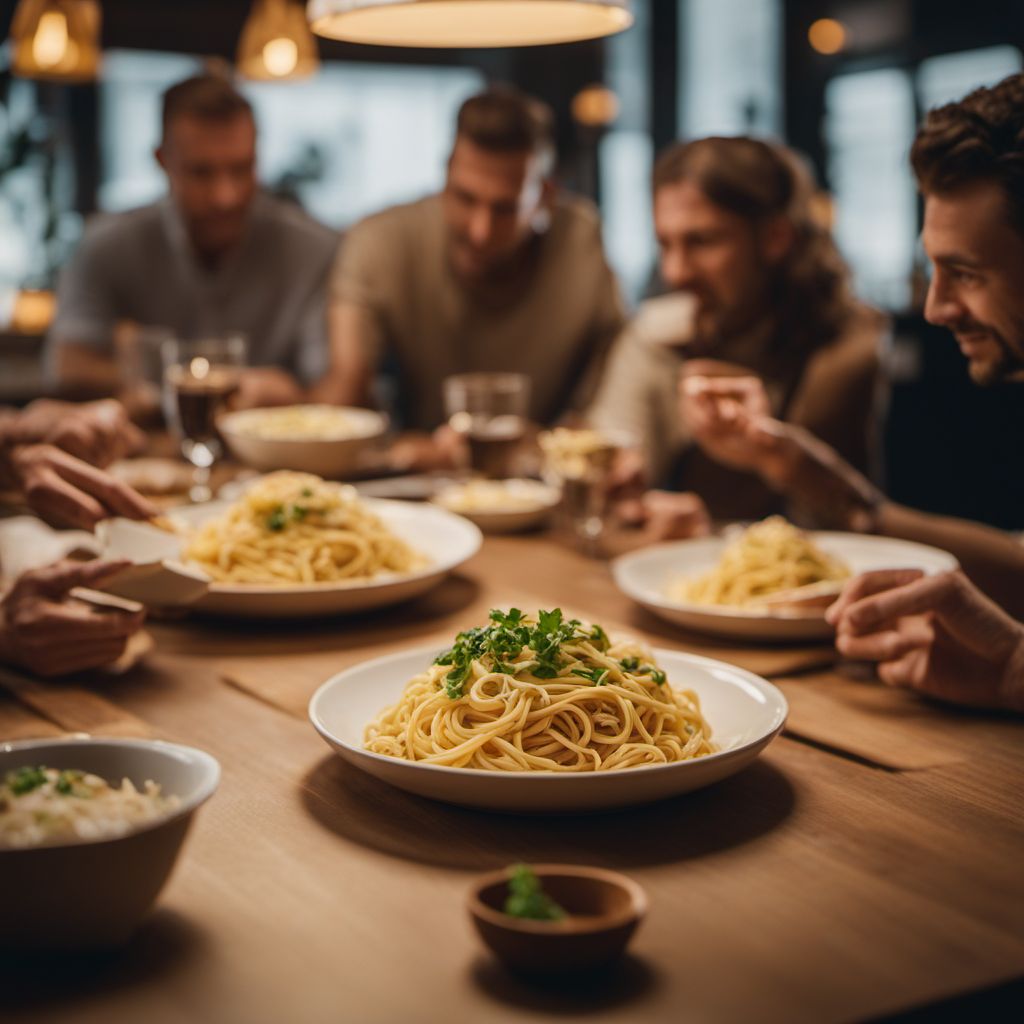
point(729, 585)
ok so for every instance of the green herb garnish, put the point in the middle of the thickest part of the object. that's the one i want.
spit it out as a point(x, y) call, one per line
point(276, 520)
point(503, 641)
point(526, 897)
point(630, 664)
point(24, 780)
point(307, 492)
point(66, 781)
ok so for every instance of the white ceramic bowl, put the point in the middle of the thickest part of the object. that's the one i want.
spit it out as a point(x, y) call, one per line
point(745, 713)
point(332, 458)
point(93, 894)
point(447, 540)
point(647, 574)
point(529, 504)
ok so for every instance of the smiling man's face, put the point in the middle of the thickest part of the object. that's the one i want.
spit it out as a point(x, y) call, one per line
point(977, 287)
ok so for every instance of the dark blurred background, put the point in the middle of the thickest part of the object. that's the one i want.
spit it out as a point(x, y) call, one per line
point(372, 127)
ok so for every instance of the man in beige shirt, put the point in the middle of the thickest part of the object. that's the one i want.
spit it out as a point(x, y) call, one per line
point(757, 288)
point(496, 273)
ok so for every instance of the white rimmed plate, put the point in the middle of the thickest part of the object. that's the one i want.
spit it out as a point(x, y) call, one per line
point(647, 574)
point(445, 539)
point(745, 713)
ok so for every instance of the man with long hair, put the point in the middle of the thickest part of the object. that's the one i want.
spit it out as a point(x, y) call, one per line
point(940, 635)
point(757, 288)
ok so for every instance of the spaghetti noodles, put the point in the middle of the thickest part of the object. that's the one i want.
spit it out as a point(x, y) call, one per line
point(294, 528)
point(544, 694)
point(767, 558)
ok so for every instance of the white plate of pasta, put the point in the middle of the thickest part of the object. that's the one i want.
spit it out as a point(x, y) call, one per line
point(574, 721)
point(293, 545)
point(768, 582)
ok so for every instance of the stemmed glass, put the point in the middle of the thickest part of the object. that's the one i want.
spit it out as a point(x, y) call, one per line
point(199, 379)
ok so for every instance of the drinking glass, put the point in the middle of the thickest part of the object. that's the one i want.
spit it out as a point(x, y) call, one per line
point(581, 463)
point(199, 379)
point(491, 411)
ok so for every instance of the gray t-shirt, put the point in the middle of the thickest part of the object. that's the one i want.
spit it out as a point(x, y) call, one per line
point(139, 266)
point(555, 323)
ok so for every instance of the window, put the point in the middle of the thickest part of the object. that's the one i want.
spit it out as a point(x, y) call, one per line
point(730, 77)
point(346, 142)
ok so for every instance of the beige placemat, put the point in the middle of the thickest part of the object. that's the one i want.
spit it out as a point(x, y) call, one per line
point(888, 727)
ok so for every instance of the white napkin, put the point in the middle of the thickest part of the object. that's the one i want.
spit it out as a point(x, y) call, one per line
point(28, 543)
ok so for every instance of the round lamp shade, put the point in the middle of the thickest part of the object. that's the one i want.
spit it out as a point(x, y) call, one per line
point(467, 23)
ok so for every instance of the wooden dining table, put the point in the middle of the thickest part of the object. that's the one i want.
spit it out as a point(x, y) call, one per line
point(870, 861)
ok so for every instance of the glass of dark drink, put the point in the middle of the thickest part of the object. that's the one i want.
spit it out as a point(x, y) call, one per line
point(199, 379)
point(491, 411)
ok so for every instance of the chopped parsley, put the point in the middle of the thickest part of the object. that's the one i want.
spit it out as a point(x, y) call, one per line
point(24, 780)
point(503, 641)
point(279, 517)
point(527, 898)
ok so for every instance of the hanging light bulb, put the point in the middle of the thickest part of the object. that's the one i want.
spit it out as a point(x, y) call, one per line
point(467, 23)
point(57, 40)
point(276, 42)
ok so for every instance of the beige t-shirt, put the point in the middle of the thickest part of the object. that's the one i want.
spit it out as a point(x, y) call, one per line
point(555, 324)
point(832, 392)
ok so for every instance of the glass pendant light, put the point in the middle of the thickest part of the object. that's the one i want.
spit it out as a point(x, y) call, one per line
point(276, 43)
point(56, 40)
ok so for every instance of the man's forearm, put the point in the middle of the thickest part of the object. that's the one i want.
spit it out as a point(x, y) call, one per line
point(992, 559)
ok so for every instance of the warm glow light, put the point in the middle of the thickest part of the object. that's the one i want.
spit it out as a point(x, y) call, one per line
point(281, 56)
point(50, 45)
point(827, 35)
point(276, 42)
point(467, 23)
point(33, 312)
point(56, 40)
point(199, 367)
point(595, 106)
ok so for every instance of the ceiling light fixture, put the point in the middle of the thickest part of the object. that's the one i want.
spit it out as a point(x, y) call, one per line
point(56, 40)
point(276, 43)
point(467, 23)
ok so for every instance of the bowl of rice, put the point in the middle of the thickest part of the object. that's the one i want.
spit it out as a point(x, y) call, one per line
point(90, 830)
point(330, 441)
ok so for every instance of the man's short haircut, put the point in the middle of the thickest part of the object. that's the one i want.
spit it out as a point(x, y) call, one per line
point(505, 120)
point(758, 181)
point(209, 97)
point(978, 139)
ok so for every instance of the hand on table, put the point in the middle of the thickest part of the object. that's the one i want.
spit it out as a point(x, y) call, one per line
point(45, 630)
point(65, 491)
point(266, 386)
point(96, 432)
point(668, 515)
point(936, 634)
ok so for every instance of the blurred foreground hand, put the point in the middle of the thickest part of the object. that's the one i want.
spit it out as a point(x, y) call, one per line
point(50, 633)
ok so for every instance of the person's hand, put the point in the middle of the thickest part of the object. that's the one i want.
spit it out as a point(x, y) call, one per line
point(672, 516)
point(719, 413)
point(628, 482)
point(261, 386)
point(65, 491)
point(96, 432)
point(939, 635)
point(45, 630)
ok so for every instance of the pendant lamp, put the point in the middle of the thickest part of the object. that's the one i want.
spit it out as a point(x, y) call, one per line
point(276, 43)
point(467, 23)
point(56, 40)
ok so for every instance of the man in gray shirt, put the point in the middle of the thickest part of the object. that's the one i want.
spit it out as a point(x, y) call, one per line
point(215, 257)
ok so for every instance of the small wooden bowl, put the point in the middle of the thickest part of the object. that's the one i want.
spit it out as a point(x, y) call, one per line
point(602, 908)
